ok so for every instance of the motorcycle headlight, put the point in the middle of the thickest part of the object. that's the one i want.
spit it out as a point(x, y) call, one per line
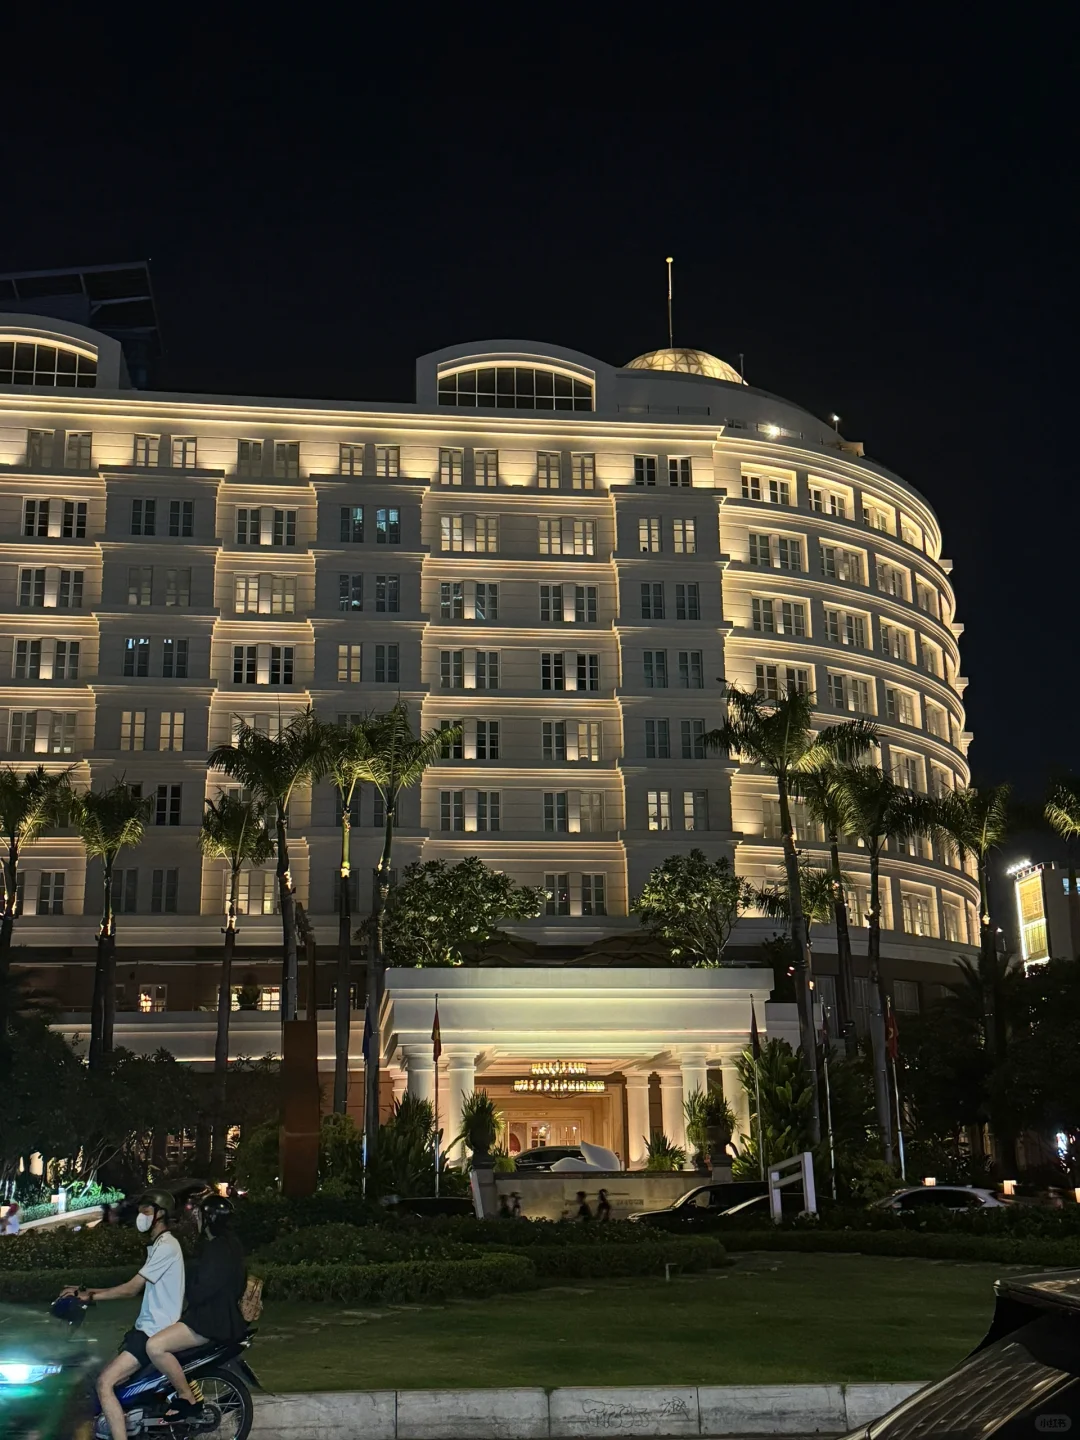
point(18, 1372)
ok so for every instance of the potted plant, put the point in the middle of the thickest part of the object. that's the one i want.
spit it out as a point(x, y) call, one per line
point(480, 1125)
point(664, 1155)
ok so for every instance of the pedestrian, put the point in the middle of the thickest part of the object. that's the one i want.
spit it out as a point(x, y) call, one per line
point(505, 1213)
point(515, 1209)
point(584, 1214)
point(9, 1225)
point(603, 1206)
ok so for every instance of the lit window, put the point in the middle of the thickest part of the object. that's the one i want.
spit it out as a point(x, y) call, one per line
point(684, 536)
point(659, 809)
point(515, 387)
point(547, 469)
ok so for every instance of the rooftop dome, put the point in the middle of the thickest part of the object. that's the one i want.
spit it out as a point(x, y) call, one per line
point(687, 362)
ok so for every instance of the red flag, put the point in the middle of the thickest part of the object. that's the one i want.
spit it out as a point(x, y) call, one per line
point(892, 1035)
point(755, 1038)
point(436, 1034)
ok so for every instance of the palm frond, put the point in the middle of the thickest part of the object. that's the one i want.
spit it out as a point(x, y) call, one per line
point(235, 830)
point(109, 820)
point(1062, 809)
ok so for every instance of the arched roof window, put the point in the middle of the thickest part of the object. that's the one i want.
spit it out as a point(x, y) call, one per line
point(515, 387)
point(31, 362)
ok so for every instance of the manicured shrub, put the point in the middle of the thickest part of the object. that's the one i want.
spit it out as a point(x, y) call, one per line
point(399, 1282)
point(649, 1257)
point(260, 1220)
point(43, 1286)
point(51, 1249)
point(997, 1249)
point(361, 1245)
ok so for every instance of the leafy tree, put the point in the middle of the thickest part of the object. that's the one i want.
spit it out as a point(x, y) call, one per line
point(406, 1157)
point(783, 1124)
point(779, 736)
point(1062, 812)
point(442, 914)
point(233, 830)
point(271, 769)
point(107, 821)
point(1040, 1075)
point(692, 905)
point(944, 1073)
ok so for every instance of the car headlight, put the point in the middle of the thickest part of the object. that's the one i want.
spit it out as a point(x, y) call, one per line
point(16, 1372)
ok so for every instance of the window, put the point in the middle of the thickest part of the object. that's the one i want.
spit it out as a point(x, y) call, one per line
point(486, 468)
point(39, 449)
point(687, 602)
point(178, 587)
point(163, 892)
point(679, 471)
point(930, 656)
point(140, 584)
point(451, 749)
point(249, 456)
point(777, 617)
point(907, 772)
point(350, 592)
point(451, 466)
point(287, 459)
point(452, 669)
point(840, 564)
point(585, 604)
point(46, 660)
point(828, 502)
point(348, 664)
point(133, 730)
point(352, 524)
point(515, 387)
point(471, 533)
point(774, 681)
point(351, 459)
point(895, 642)
point(386, 664)
point(452, 600)
point(181, 519)
point(55, 519)
point(918, 916)
point(554, 739)
point(891, 580)
point(486, 603)
point(899, 706)
point(693, 739)
point(655, 669)
point(451, 809)
point(874, 518)
point(263, 664)
point(556, 811)
point(185, 452)
point(657, 740)
point(551, 604)
point(849, 692)
point(171, 735)
point(269, 997)
point(941, 783)
point(926, 598)
point(266, 527)
point(556, 894)
point(488, 804)
point(937, 720)
point(952, 913)
point(645, 470)
point(143, 517)
point(77, 454)
point(387, 594)
point(137, 655)
point(772, 488)
point(844, 628)
point(145, 454)
point(50, 588)
point(73, 520)
point(691, 670)
point(27, 660)
point(167, 805)
point(174, 659)
point(652, 601)
point(552, 671)
point(910, 533)
point(42, 732)
point(125, 893)
point(594, 894)
point(487, 669)
point(684, 536)
point(588, 672)
point(36, 518)
point(66, 660)
point(487, 739)
point(583, 472)
point(695, 809)
point(780, 552)
point(388, 526)
point(50, 899)
point(547, 469)
point(802, 825)
point(591, 812)
point(567, 536)
point(387, 461)
point(658, 803)
point(648, 534)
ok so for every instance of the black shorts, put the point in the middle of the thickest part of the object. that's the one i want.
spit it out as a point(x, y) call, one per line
point(134, 1342)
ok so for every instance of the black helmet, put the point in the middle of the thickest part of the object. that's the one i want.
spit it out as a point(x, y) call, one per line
point(159, 1199)
point(216, 1212)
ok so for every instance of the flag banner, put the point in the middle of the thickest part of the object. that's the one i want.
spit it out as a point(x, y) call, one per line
point(892, 1035)
point(436, 1034)
point(368, 1036)
point(755, 1038)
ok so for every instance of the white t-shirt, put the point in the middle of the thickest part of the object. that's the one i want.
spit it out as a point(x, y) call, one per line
point(10, 1225)
point(163, 1297)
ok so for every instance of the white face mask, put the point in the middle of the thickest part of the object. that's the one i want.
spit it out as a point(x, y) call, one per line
point(144, 1222)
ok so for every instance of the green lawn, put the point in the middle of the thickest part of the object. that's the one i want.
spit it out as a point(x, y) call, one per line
point(768, 1319)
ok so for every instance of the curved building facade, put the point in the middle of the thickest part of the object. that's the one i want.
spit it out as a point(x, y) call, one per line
point(569, 557)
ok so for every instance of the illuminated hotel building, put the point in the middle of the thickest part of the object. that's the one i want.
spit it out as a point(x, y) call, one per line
point(569, 557)
point(1043, 922)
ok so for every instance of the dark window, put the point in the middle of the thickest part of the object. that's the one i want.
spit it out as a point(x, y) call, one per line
point(181, 518)
point(163, 892)
point(143, 517)
point(352, 524)
point(350, 592)
point(167, 805)
point(515, 387)
point(174, 659)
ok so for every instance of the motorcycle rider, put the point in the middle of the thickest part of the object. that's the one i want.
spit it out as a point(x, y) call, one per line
point(160, 1281)
point(215, 1284)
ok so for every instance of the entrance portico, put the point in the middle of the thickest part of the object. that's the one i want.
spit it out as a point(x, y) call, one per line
point(606, 1055)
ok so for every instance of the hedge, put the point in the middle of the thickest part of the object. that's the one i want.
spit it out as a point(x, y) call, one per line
point(34, 1286)
point(361, 1245)
point(50, 1249)
point(1003, 1250)
point(649, 1257)
point(400, 1281)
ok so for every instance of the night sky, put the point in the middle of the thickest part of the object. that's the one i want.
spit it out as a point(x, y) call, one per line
point(883, 223)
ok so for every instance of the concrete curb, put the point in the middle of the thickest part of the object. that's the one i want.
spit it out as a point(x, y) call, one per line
point(573, 1412)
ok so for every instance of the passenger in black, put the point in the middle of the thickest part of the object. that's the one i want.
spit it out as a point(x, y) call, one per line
point(215, 1285)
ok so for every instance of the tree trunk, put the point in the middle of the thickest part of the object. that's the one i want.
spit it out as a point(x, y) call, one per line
point(845, 990)
point(290, 985)
point(877, 1008)
point(343, 998)
point(801, 941)
point(221, 1039)
point(103, 1012)
point(376, 969)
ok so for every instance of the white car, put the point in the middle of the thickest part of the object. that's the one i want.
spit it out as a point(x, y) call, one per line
point(951, 1197)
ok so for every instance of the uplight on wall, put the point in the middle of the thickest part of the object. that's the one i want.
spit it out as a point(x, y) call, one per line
point(929, 1180)
point(1008, 1187)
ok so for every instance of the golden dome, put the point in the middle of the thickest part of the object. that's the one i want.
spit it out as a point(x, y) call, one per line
point(687, 362)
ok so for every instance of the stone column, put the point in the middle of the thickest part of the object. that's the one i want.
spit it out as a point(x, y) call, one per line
point(695, 1074)
point(671, 1106)
point(737, 1098)
point(637, 1119)
point(400, 1082)
point(460, 1082)
point(420, 1072)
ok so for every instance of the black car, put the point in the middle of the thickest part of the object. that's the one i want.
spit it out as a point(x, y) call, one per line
point(1023, 1380)
point(700, 1209)
point(544, 1156)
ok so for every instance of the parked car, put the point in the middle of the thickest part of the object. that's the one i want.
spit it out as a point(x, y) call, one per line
point(1023, 1379)
point(915, 1198)
point(544, 1156)
point(702, 1208)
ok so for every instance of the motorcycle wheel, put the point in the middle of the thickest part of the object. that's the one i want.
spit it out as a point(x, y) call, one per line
point(225, 1394)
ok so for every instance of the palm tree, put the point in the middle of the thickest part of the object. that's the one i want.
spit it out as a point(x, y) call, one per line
point(778, 736)
point(1062, 811)
point(825, 801)
point(818, 892)
point(878, 808)
point(271, 769)
point(233, 830)
point(107, 821)
point(29, 803)
point(396, 761)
